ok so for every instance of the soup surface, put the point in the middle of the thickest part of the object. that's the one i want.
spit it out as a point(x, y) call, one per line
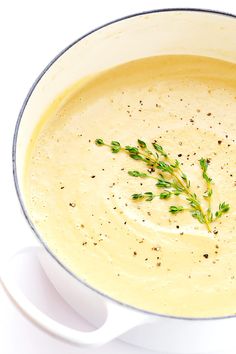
point(79, 194)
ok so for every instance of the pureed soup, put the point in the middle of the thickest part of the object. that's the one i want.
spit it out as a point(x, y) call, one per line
point(141, 221)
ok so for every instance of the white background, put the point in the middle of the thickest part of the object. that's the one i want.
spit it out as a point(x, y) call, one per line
point(31, 34)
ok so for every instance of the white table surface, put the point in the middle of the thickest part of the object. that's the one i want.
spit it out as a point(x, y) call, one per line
point(32, 33)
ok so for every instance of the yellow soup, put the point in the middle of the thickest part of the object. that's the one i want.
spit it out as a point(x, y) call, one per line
point(79, 194)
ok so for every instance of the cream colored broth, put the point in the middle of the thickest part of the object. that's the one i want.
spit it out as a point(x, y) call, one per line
point(78, 194)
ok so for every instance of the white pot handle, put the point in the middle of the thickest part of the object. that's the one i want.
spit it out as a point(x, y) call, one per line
point(118, 321)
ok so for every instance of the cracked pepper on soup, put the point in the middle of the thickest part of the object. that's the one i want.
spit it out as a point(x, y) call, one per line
point(130, 178)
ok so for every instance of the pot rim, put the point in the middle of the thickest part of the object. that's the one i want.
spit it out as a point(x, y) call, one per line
point(15, 177)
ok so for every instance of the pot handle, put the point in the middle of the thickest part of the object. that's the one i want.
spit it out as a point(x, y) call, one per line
point(118, 321)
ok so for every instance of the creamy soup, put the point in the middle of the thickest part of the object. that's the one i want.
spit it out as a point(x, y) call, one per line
point(79, 194)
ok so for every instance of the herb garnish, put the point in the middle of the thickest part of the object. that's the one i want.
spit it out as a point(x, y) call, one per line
point(171, 179)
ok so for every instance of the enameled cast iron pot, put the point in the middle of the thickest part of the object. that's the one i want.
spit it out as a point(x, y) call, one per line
point(170, 31)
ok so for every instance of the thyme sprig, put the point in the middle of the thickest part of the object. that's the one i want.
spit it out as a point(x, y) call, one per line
point(171, 179)
point(208, 193)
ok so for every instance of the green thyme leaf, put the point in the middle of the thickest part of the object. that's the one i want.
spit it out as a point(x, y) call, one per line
point(203, 164)
point(206, 177)
point(208, 193)
point(162, 183)
point(115, 147)
point(176, 209)
point(177, 186)
point(136, 157)
point(149, 196)
point(137, 174)
point(177, 191)
point(99, 142)
point(131, 149)
point(142, 144)
point(197, 214)
point(164, 167)
point(159, 148)
point(165, 195)
point(115, 143)
point(137, 196)
point(176, 164)
point(223, 208)
point(185, 178)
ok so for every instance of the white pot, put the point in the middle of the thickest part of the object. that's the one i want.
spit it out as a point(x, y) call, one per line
point(176, 31)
